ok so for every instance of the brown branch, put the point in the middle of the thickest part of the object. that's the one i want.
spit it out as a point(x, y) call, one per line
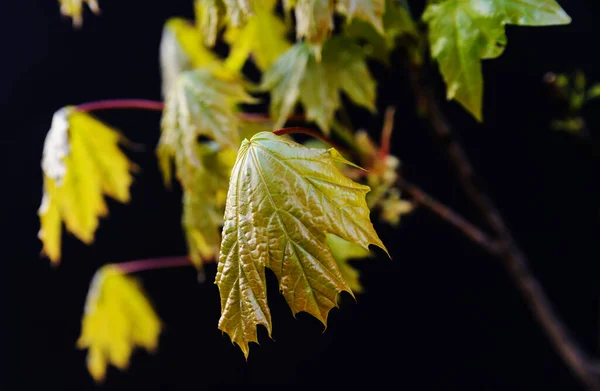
point(445, 213)
point(509, 252)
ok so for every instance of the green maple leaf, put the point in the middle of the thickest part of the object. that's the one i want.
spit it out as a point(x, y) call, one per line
point(283, 200)
point(397, 22)
point(204, 194)
point(344, 251)
point(202, 104)
point(298, 76)
point(370, 11)
point(314, 20)
point(463, 32)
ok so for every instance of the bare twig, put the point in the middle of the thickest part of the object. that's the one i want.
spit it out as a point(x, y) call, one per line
point(450, 216)
point(509, 253)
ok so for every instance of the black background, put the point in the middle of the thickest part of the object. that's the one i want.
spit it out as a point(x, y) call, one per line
point(441, 314)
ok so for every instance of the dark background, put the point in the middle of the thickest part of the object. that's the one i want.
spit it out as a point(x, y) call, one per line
point(440, 314)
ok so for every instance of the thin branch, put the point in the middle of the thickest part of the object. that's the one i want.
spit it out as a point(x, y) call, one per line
point(386, 132)
point(510, 254)
point(154, 264)
point(121, 104)
point(445, 213)
point(309, 132)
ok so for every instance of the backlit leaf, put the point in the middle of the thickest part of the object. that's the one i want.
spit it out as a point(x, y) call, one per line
point(181, 49)
point(81, 163)
point(238, 11)
point(208, 17)
point(344, 251)
point(74, 9)
point(298, 76)
point(202, 104)
point(263, 37)
point(283, 200)
point(462, 32)
point(118, 318)
point(370, 11)
point(397, 22)
point(204, 195)
point(314, 20)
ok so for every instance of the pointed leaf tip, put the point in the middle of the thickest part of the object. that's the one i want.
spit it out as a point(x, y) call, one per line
point(283, 199)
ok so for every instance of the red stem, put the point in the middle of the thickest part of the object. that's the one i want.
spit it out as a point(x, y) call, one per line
point(121, 104)
point(154, 263)
point(308, 132)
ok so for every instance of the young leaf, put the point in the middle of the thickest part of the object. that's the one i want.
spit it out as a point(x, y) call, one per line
point(397, 22)
point(263, 37)
point(117, 318)
point(202, 104)
point(298, 76)
point(74, 9)
point(462, 32)
point(370, 11)
point(283, 200)
point(81, 163)
point(208, 17)
point(181, 50)
point(314, 20)
point(204, 195)
point(344, 251)
point(238, 11)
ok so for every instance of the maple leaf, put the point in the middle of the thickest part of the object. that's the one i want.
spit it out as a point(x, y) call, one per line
point(370, 11)
point(81, 163)
point(238, 11)
point(74, 9)
point(298, 76)
point(202, 104)
point(283, 200)
point(263, 37)
point(397, 22)
point(181, 50)
point(117, 318)
point(204, 202)
point(314, 20)
point(463, 32)
point(208, 16)
point(344, 251)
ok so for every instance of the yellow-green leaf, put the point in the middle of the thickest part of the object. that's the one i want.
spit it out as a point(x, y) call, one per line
point(370, 11)
point(397, 22)
point(118, 318)
point(204, 195)
point(81, 163)
point(181, 49)
point(74, 9)
point(297, 75)
point(344, 251)
point(263, 37)
point(462, 32)
point(202, 104)
point(238, 11)
point(314, 20)
point(283, 200)
point(208, 18)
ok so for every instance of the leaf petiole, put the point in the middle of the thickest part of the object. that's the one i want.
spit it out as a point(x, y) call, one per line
point(154, 264)
point(142, 104)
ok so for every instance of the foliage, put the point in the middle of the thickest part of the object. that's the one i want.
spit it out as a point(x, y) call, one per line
point(117, 318)
point(283, 200)
point(463, 32)
point(82, 162)
point(251, 196)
